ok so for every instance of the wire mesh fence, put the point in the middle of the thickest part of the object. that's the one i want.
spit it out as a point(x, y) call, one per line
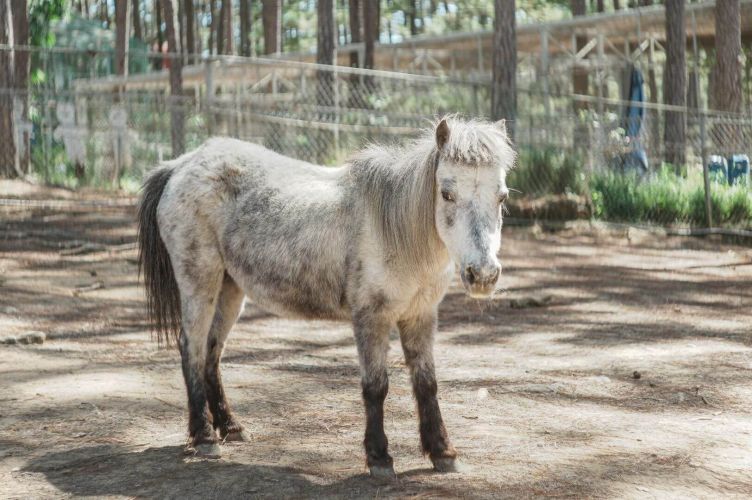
point(580, 156)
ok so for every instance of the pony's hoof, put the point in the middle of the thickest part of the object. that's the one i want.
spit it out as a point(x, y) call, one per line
point(207, 450)
point(383, 472)
point(447, 465)
point(240, 436)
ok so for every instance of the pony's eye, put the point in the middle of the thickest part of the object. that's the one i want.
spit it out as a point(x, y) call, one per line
point(447, 195)
point(503, 197)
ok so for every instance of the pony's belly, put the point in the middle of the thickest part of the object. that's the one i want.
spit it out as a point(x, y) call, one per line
point(298, 301)
point(292, 310)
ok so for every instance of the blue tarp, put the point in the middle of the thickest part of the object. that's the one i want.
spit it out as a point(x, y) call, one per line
point(636, 158)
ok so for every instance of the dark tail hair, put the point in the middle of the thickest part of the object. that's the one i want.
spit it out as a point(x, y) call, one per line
point(162, 294)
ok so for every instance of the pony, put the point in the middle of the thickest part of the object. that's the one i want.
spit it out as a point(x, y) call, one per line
point(374, 242)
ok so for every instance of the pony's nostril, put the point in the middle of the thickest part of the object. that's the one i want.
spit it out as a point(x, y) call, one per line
point(495, 274)
point(470, 274)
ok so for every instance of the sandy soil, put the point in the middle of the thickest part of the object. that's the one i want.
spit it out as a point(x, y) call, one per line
point(540, 401)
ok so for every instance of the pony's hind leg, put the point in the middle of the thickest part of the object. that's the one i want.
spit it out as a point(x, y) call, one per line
point(229, 307)
point(199, 289)
point(416, 335)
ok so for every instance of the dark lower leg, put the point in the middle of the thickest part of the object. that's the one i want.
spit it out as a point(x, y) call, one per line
point(417, 343)
point(376, 443)
point(222, 416)
point(433, 434)
point(199, 428)
point(372, 339)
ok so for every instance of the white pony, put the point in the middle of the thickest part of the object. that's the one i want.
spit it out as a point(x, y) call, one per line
point(374, 242)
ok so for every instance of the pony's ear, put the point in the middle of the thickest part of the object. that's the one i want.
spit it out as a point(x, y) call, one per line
point(442, 133)
point(502, 125)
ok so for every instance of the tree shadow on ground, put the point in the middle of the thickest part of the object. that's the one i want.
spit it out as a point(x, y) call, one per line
point(167, 473)
point(676, 299)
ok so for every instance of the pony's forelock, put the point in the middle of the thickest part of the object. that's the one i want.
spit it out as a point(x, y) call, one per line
point(474, 142)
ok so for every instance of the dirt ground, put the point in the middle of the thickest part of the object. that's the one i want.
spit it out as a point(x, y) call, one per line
point(625, 370)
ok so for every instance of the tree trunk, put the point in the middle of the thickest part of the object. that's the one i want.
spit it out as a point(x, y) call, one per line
point(7, 130)
point(413, 17)
point(122, 34)
point(325, 52)
point(355, 13)
point(617, 5)
point(220, 35)
point(246, 21)
point(580, 84)
point(190, 37)
point(213, 26)
point(181, 27)
point(370, 37)
point(271, 18)
point(675, 84)
point(371, 24)
point(228, 27)
point(136, 20)
point(727, 88)
point(229, 32)
point(160, 35)
point(504, 89)
point(325, 34)
point(599, 6)
point(122, 31)
point(177, 118)
point(21, 77)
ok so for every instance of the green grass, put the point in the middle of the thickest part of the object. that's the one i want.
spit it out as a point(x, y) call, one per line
point(666, 198)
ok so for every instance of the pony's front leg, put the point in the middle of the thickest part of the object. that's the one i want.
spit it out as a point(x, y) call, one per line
point(372, 339)
point(416, 335)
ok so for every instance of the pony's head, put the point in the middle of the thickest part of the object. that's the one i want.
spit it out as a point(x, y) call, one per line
point(472, 164)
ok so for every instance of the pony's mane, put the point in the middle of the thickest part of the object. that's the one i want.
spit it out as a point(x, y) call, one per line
point(398, 184)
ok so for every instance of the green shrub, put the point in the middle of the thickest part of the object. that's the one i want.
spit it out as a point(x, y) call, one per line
point(666, 198)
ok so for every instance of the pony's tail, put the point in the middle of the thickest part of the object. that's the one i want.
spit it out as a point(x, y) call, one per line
point(162, 295)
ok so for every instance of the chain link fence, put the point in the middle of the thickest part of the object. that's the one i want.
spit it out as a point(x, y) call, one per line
point(581, 157)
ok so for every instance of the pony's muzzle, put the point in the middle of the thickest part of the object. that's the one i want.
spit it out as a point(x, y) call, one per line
point(480, 280)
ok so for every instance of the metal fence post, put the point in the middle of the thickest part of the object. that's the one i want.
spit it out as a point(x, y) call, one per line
point(46, 120)
point(701, 110)
point(705, 173)
point(209, 93)
point(336, 108)
point(544, 79)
